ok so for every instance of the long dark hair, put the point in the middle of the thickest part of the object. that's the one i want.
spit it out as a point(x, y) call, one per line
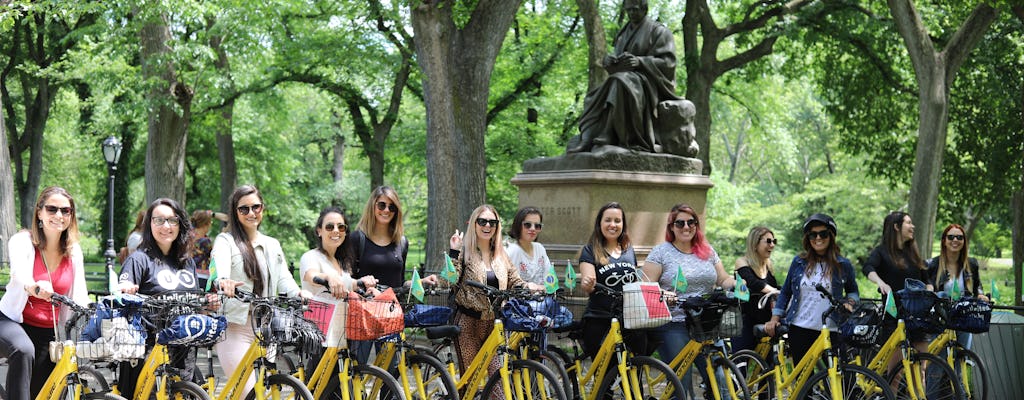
point(516, 230)
point(961, 260)
point(831, 256)
point(597, 238)
point(242, 239)
point(338, 254)
point(181, 249)
point(891, 236)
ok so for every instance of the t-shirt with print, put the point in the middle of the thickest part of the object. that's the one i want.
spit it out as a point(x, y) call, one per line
point(701, 276)
point(531, 269)
point(812, 304)
point(615, 273)
point(156, 275)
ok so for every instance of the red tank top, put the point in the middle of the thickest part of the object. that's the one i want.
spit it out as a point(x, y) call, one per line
point(39, 312)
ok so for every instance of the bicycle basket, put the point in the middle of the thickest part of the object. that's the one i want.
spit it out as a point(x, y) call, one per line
point(859, 328)
point(712, 320)
point(423, 315)
point(517, 315)
point(918, 310)
point(119, 340)
point(370, 319)
point(969, 314)
point(193, 330)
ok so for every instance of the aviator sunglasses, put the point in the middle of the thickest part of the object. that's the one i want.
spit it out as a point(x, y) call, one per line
point(256, 208)
point(340, 227)
point(681, 223)
point(531, 225)
point(391, 207)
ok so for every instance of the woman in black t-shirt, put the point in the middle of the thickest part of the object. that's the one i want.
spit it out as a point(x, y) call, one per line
point(608, 259)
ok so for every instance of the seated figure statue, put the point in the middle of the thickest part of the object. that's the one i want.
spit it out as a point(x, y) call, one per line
point(623, 112)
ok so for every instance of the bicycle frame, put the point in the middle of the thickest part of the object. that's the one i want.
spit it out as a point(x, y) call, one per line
point(149, 377)
point(795, 379)
point(235, 386)
point(684, 360)
point(611, 347)
point(898, 341)
point(469, 384)
point(391, 348)
point(63, 374)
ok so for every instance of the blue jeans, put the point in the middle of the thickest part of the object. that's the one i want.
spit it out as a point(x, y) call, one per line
point(674, 336)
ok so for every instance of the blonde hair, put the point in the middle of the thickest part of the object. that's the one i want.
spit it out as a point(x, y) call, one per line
point(367, 222)
point(753, 258)
point(469, 250)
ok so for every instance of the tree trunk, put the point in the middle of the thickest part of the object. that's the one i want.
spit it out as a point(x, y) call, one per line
point(338, 161)
point(597, 42)
point(169, 113)
point(7, 225)
point(223, 126)
point(456, 65)
point(935, 72)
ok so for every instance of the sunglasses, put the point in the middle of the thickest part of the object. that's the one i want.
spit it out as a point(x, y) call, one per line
point(486, 222)
point(825, 234)
point(530, 225)
point(331, 226)
point(391, 207)
point(680, 223)
point(955, 237)
point(172, 221)
point(256, 208)
point(54, 209)
point(772, 241)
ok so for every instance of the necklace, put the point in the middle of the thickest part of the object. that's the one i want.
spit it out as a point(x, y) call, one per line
point(53, 311)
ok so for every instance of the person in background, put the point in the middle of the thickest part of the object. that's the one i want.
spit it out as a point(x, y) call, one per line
point(163, 264)
point(202, 221)
point(480, 258)
point(755, 267)
point(377, 252)
point(685, 248)
point(247, 258)
point(46, 259)
point(526, 254)
point(953, 265)
point(799, 301)
point(134, 238)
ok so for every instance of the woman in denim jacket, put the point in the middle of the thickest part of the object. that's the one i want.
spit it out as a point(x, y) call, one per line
point(799, 301)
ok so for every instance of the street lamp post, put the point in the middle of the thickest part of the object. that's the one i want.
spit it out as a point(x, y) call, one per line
point(111, 153)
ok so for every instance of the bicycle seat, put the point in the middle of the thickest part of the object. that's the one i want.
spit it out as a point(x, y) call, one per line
point(443, 331)
point(575, 325)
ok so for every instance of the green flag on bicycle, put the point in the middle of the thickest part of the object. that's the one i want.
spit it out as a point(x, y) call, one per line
point(994, 292)
point(213, 273)
point(955, 292)
point(570, 276)
point(680, 283)
point(417, 286)
point(741, 290)
point(551, 280)
point(890, 304)
point(112, 283)
point(449, 273)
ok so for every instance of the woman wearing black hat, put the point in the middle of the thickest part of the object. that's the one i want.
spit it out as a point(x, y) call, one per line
point(799, 301)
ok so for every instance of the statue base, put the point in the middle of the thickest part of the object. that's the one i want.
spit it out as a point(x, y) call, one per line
point(570, 189)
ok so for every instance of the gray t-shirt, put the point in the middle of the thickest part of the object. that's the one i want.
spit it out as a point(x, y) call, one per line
point(701, 276)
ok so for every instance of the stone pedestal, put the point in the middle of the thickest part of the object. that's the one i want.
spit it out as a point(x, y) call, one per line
point(570, 198)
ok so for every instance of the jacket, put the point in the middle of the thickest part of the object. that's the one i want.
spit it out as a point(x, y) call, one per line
point(971, 273)
point(23, 256)
point(475, 299)
point(228, 261)
point(789, 297)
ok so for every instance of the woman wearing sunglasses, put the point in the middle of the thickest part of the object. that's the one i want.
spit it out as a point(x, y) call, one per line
point(686, 249)
point(45, 259)
point(954, 267)
point(244, 257)
point(526, 254)
point(479, 258)
point(755, 267)
point(799, 301)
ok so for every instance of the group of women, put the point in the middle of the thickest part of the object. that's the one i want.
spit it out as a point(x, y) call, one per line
point(47, 259)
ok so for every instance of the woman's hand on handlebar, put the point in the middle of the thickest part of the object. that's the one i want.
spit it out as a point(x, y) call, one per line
point(128, 287)
point(228, 286)
point(212, 301)
point(769, 327)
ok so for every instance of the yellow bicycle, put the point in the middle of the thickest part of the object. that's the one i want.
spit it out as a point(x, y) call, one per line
point(705, 321)
point(967, 365)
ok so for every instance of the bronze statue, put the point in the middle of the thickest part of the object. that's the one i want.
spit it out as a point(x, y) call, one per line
point(624, 111)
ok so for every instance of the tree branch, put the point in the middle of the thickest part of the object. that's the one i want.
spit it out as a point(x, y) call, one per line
point(968, 36)
point(762, 49)
point(747, 24)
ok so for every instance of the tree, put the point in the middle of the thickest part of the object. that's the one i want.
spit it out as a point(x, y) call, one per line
point(170, 102)
point(702, 41)
point(7, 225)
point(597, 43)
point(1017, 203)
point(222, 124)
point(935, 70)
point(456, 49)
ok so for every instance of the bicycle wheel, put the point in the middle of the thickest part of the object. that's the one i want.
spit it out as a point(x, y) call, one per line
point(733, 377)
point(183, 390)
point(102, 396)
point(556, 365)
point(756, 372)
point(530, 378)
point(972, 372)
point(282, 387)
point(433, 376)
point(655, 380)
point(92, 380)
point(859, 383)
point(567, 363)
point(372, 382)
point(938, 379)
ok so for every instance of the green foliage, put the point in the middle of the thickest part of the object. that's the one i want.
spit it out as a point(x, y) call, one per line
point(991, 240)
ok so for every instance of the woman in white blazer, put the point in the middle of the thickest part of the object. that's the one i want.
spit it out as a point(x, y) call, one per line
point(45, 259)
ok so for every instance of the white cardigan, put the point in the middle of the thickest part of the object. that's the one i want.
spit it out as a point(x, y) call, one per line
point(23, 256)
point(228, 259)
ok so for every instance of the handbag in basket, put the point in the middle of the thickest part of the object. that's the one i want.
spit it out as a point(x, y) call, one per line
point(643, 306)
point(370, 319)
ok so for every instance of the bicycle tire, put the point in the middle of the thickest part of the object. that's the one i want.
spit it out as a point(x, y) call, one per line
point(543, 385)
point(976, 383)
point(184, 390)
point(756, 372)
point(940, 383)
point(383, 386)
point(817, 386)
point(438, 383)
point(651, 371)
point(556, 365)
point(3, 393)
point(287, 387)
point(102, 396)
point(567, 363)
point(732, 374)
point(92, 379)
